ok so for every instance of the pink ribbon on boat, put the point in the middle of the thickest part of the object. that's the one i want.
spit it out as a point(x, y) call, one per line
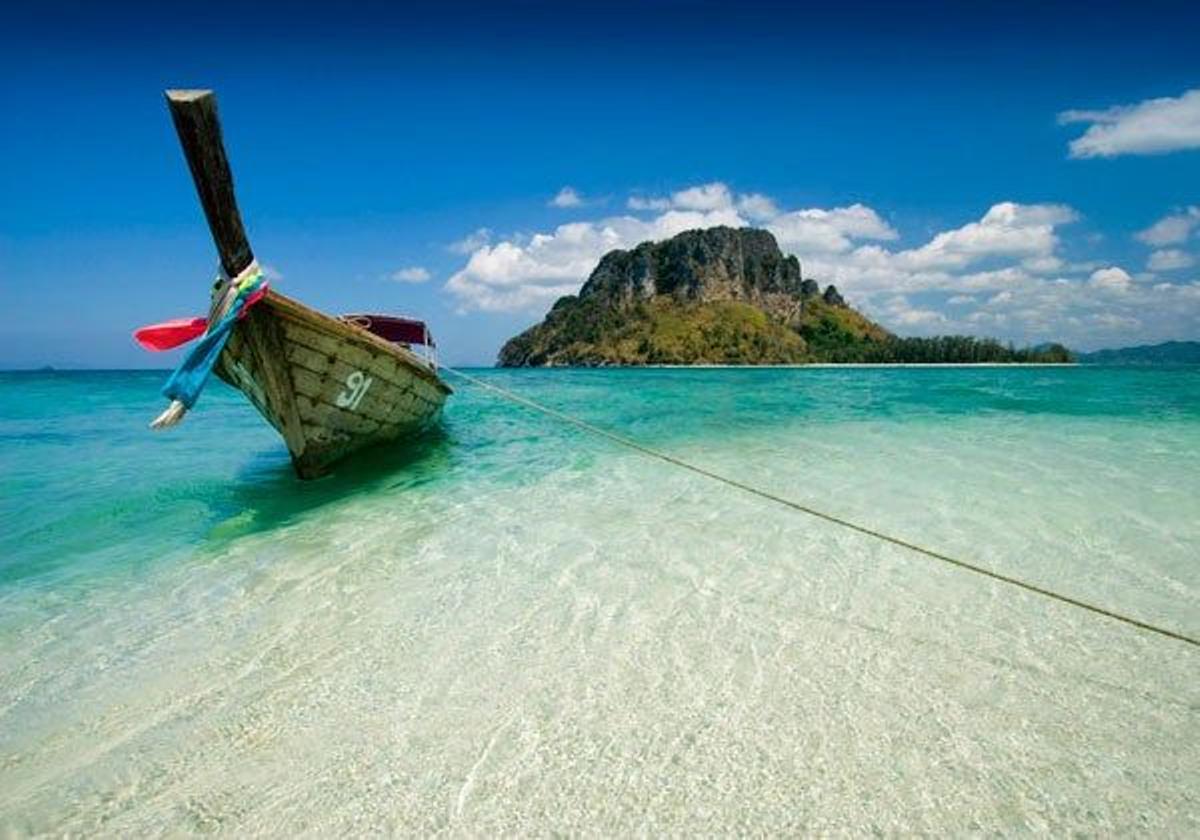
point(170, 334)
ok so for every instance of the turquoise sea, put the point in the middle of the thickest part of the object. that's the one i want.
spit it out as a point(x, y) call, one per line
point(513, 627)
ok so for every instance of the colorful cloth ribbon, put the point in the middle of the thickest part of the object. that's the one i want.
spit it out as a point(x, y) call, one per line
point(189, 378)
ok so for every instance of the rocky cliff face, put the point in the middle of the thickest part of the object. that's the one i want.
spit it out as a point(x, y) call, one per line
point(702, 266)
point(705, 296)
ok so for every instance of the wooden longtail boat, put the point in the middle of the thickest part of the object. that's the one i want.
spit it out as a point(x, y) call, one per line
point(329, 386)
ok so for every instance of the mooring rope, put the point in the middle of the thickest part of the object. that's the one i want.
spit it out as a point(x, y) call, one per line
point(827, 517)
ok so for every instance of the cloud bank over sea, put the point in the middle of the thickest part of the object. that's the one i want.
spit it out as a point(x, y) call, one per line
point(1008, 272)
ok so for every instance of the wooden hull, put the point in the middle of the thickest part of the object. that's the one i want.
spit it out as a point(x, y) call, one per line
point(330, 388)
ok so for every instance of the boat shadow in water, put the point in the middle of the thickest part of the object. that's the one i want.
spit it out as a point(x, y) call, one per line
point(268, 495)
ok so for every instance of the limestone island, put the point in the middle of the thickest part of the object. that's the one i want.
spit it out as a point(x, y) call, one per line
point(725, 296)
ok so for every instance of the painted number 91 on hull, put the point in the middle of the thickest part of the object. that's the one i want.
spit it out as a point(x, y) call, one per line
point(357, 384)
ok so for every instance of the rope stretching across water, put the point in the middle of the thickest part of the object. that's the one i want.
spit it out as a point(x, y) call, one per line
point(828, 517)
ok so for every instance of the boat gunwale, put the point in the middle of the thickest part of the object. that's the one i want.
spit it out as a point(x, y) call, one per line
point(290, 307)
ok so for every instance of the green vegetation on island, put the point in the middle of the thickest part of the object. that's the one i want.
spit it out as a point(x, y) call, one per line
point(726, 296)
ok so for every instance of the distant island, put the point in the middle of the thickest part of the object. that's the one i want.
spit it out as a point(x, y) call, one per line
point(1167, 353)
point(727, 296)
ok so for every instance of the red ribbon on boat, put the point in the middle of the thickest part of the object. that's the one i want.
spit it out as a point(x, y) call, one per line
point(171, 334)
point(164, 336)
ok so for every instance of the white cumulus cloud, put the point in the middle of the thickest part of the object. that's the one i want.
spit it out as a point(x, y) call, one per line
point(1008, 229)
point(412, 274)
point(899, 311)
point(1153, 126)
point(639, 202)
point(527, 273)
point(714, 196)
point(1171, 229)
point(1044, 264)
point(472, 242)
point(708, 197)
point(829, 231)
point(531, 272)
point(757, 207)
point(1001, 274)
point(567, 197)
point(1170, 259)
point(1113, 277)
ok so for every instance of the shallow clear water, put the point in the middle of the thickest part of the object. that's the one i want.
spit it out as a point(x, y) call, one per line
point(513, 627)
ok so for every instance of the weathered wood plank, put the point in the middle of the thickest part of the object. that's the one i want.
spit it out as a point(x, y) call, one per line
point(324, 390)
point(260, 331)
point(377, 364)
point(389, 385)
point(385, 405)
point(237, 367)
point(348, 335)
point(321, 436)
point(318, 378)
point(328, 363)
point(314, 413)
point(339, 371)
point(310, 359)
point(194, 113)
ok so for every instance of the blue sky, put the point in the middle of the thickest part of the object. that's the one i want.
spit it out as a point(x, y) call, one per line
point(404, 159)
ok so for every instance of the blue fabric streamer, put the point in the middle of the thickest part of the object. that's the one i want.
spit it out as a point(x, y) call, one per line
point(188, 380)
